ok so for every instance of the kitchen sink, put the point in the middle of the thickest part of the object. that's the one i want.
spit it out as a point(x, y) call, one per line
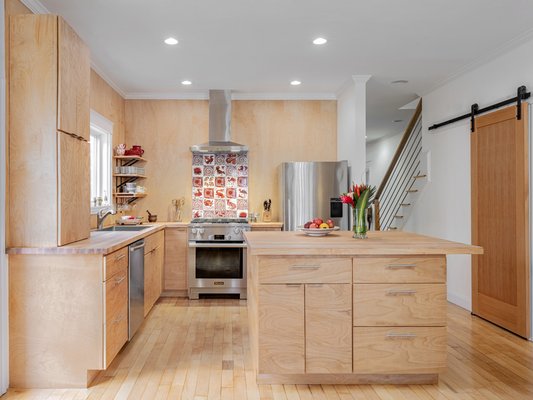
point(123, 228)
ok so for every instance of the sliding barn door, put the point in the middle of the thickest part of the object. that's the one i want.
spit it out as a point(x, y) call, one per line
point(500, 219)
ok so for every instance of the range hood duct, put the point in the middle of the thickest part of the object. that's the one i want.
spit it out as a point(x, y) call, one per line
point(219, 126)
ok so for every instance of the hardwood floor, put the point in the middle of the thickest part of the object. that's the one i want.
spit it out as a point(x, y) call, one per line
point(199, 350)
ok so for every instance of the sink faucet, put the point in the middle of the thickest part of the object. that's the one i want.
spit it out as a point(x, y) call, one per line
point(102, 215)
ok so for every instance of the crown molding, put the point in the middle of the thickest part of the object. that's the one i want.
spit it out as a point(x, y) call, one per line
point(35, 6)
point(166, 96)
point(283, 96)
point(484, 59)
point(234, 96)
point(361, 78)
point(108, 80)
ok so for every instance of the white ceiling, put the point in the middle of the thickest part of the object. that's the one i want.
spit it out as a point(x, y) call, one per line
point(256, 47)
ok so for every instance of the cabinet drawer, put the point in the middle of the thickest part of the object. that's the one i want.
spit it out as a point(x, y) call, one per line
point(116, 322)
point(153, 241)
point(399, 269)
point(415, 304)
point(419, 350)
point(115, 262)
point(305, 270)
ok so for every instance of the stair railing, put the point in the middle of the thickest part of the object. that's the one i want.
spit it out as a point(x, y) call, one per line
point(399, 180)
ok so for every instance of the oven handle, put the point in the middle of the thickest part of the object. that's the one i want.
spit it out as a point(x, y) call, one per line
point(218, 245)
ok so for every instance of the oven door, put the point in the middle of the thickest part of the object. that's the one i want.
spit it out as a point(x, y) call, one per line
point(217, 265)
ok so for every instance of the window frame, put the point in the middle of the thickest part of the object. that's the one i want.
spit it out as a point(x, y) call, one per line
point(104, 128)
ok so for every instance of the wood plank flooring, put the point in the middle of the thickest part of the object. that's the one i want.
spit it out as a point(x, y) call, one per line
point(196, 350)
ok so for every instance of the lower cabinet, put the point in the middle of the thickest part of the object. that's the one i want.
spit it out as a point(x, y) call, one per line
point(328, 328)
point(305, 326)
point(116, 310)
point(154, 253)
point(281, 320)
point(175, 263)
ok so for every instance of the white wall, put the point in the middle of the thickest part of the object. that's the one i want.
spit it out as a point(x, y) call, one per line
point(351, 126)
point(443, 209)
point(379, 154)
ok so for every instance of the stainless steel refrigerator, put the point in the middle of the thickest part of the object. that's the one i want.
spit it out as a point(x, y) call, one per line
point(312, 189)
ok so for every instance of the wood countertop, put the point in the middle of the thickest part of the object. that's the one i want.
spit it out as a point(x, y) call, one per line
point(99, 242)
point(266, 224)
point(342, 243)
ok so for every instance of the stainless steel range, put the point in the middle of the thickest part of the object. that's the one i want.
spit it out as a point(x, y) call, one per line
point(217, 257)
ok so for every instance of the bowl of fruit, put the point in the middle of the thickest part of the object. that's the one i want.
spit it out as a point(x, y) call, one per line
point(318, 227)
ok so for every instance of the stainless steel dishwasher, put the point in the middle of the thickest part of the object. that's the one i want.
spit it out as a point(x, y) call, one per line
point(136, 286)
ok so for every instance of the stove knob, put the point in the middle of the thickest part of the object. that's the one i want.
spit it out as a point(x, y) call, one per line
point(237, 230)
point(199, 233)
point(193, 231)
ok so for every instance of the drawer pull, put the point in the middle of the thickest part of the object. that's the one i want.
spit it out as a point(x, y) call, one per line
point(315, 284)
point(407, 292)
point(293, 284)
point(305, 266)
point(118, 281)
point(118, 258)
point(119, 319)
point(401, 266)
point(401, 336)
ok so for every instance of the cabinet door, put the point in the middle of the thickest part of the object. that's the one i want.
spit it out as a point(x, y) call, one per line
point(175, 268)
point(116, 323)
point(159, 258)
point(74, 207)
point(148, 281)
point(281, 327)
point(328, 328)
point(73, 83)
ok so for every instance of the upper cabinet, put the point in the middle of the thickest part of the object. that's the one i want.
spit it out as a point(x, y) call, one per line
point(73, 82)
point(48, 91)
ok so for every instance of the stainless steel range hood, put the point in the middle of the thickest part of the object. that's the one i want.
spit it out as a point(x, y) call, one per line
point(219, 126)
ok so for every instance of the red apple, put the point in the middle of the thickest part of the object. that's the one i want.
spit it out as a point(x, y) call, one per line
point(313, 226)
point(307, 224)
point(318, 221)
point(330, 223)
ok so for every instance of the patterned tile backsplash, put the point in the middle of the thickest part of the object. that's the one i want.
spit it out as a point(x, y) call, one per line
point(220, 185)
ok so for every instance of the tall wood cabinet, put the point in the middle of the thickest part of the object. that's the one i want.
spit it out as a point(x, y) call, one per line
point(49, 170)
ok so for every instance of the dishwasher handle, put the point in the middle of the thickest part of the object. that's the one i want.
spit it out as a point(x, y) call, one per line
point(139, 246)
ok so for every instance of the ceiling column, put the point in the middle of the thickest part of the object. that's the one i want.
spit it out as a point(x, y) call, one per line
point(351, 127)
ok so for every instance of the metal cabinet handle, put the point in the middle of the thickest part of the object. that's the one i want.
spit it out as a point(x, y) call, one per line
point(401, 336)
point(119, 319)
point(294, 284)
point(118, 281)
point(305, 266)
point(401, 266)
point(140, 246)
point(408, 292)
point(117, 258)
point(315, 284)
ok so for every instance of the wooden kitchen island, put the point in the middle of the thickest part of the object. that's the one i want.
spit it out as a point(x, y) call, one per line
point(335, 309)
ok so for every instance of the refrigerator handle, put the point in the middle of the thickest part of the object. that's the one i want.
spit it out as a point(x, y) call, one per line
point(288, 219)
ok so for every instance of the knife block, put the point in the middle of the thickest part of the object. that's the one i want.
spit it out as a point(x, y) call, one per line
point(267, 216)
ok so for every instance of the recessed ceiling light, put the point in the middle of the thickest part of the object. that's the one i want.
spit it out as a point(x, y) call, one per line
point(171, 41)
point(399, 82)
point(320, 40)
point(398, 120)
point(186, 83)
point(296, 83)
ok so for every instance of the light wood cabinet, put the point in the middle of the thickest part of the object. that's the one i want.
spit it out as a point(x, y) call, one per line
point(154, 248)
point(328, 350)
point(48, 93)
point(415, 350)
point(73, 192)
point(175, 263)
point(399, 269)
point(116, 312)
point(73, 82)
point(293, 310)
point(281, 322)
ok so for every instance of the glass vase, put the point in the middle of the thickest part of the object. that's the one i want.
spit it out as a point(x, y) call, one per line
point(359, 223)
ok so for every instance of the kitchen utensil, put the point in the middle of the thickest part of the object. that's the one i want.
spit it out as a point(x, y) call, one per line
point(151, 217)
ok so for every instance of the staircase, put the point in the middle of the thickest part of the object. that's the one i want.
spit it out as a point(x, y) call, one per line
point(404, 179)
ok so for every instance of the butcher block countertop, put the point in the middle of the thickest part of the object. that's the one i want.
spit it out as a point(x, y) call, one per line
point(342, 243)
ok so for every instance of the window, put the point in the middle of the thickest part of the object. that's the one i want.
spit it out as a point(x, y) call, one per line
point(101, 143)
